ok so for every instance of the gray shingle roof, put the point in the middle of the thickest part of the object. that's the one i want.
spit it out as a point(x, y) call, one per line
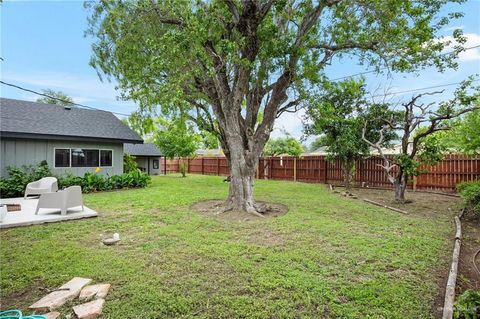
point(141, 149)
point(38, 120)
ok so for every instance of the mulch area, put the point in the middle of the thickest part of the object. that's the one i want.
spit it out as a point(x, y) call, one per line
point(214, 208)
point(433, 205)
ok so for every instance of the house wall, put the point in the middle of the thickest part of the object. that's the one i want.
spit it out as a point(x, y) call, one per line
point(146, 162)
point(19, 152)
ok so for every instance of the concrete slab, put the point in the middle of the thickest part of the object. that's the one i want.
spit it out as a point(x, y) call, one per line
point(26, 216)
point(98, 291)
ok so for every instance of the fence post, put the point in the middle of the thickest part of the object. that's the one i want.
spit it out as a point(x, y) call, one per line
point(414, 182)
point(202, 165)
point(295, 169)
point(325, 166)
point(188, 164)
point(165, 166)
point(218, 166)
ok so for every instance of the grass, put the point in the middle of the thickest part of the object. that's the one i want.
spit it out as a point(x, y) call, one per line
point(329, 257)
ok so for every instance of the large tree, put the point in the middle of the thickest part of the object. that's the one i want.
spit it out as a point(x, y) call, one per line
point(228, 61)
point(283, 145)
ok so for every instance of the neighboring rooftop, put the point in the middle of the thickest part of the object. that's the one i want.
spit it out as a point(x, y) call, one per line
point(146, 149)
point(25, 119)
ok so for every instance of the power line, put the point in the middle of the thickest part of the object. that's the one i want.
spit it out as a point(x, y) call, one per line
point(59, 99)
point(382, 69)
point(421, 89)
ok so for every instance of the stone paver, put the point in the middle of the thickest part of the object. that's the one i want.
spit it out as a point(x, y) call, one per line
point(94, 291)
point(62, 295)
point(52, 315)
point(89, 310)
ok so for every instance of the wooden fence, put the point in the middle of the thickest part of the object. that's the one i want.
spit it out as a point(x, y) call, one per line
point(316, 169)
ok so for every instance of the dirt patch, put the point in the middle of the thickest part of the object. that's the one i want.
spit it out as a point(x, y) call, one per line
point(468, 277)
point(25, 297)
point(431, 205)
point(214, 208)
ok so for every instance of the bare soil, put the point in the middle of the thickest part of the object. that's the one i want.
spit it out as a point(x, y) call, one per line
point(214, 208)
point(468, 277)
point(435, 205)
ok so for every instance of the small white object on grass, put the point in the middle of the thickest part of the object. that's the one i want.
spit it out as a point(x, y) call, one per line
point(116, 236)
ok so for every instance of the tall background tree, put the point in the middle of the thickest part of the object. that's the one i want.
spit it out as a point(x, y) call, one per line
point(55, 97)
point(338, 112)
point(228, 61)
point(283, 146)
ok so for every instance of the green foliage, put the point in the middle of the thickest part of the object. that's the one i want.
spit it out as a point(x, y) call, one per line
point(467, 305)
point(176, 138)
point(141, 123)
point(283, 146)
point(209, 140)
point(129, 163)
point(14, 185)
point(464, 135)
point(317, 143)
point(55, 97)
point(18, 178)
point(470, 191)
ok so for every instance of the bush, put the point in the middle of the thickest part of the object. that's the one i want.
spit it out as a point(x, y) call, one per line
point(129, 163)
point(468, 305)
point(14, 185)
point(470, 191)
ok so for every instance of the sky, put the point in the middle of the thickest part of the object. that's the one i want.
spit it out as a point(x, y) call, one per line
point(43, 47)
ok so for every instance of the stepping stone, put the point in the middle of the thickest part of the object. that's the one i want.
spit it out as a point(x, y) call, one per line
point(97, 291)
point(62, 295)
point(52, 315)
point(89, 310)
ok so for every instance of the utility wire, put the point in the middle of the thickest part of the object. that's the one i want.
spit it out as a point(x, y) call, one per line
point(382, 69)
point(420, 89)
point(59, 99)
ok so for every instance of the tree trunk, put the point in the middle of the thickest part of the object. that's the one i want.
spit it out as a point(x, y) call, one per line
point(347, 167)
point(242, 176)
point(400, 185)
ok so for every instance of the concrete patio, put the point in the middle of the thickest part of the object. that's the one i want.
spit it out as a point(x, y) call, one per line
point(26, 216)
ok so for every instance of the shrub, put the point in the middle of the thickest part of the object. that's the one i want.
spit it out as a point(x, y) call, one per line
point(468, 305)
point(15, 184)
point(470, 191)
point(129, 163)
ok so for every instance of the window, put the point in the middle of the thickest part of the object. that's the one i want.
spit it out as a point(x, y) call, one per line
point(62, 157)
point(106, 157)
point(84, 157)
point(155, 164)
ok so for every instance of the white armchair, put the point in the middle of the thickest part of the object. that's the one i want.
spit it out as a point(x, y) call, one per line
point(42, 186)
point(63, 200)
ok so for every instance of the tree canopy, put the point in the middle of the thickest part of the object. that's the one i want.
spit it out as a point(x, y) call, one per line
point(226, 62)
point(55, 97)
point(283, 146)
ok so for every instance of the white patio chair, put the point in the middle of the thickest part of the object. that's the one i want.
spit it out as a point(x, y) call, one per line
point(63, 200)
point(42, 186)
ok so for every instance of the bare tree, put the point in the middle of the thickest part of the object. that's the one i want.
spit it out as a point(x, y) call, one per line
point(416, 122)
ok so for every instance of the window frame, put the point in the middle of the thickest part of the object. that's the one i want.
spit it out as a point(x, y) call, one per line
point(55, 157)
point(155, 161)
point(90, 149)
point(100, 157)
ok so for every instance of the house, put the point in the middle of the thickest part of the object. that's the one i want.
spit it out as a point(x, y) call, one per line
point(147, 156)
point(71, 140)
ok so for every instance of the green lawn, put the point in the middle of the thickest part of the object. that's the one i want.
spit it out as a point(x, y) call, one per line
point(329, 257)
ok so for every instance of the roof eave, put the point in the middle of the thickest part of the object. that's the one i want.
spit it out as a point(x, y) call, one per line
point(23, 135)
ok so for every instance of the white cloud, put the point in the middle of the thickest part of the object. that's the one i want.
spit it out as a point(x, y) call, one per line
point(290, 123)
point(473, 39)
